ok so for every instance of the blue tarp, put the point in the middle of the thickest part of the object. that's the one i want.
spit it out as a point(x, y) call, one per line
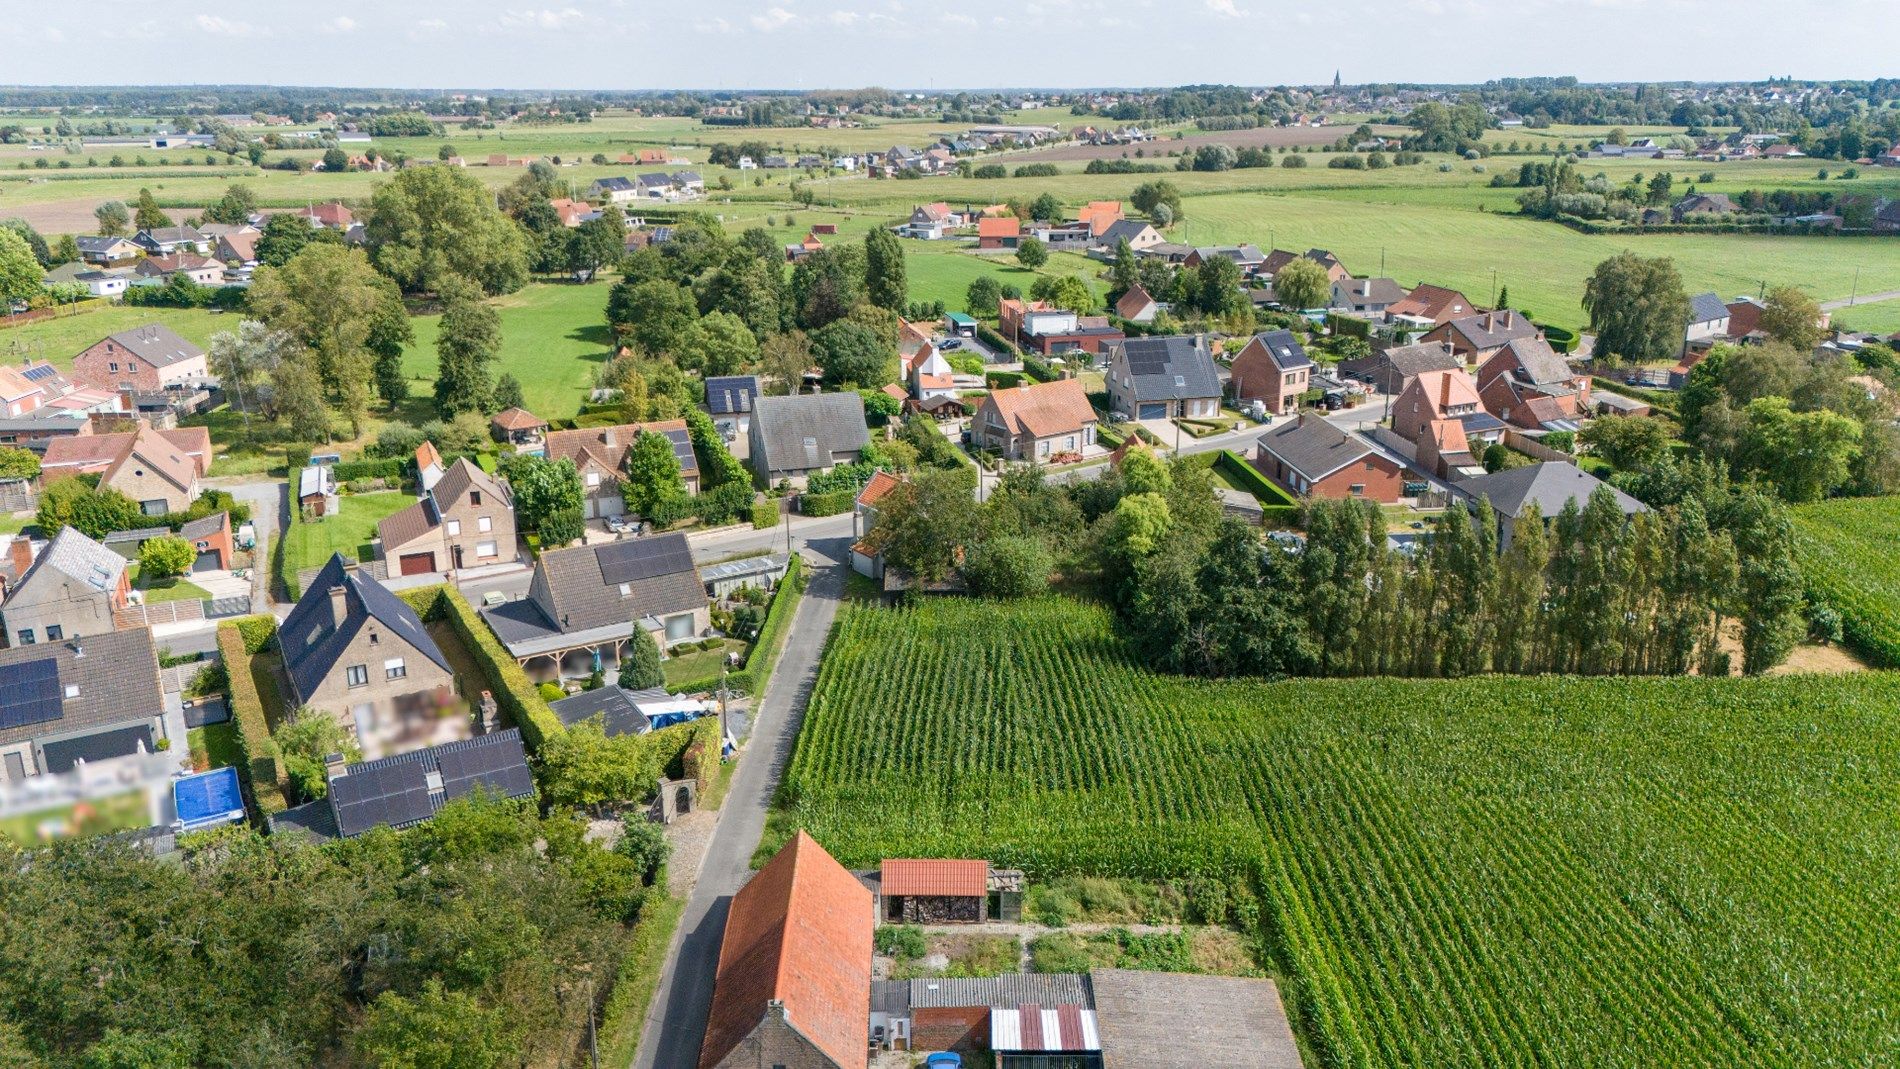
point(207, 798)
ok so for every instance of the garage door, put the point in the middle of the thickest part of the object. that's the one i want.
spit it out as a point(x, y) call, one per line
point(417, 563)
point(207, 562)
point(1153, 411)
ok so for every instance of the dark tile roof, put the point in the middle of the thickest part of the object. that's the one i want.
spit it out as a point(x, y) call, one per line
point(613, 704)
point(1000, 992)
point(117, 677)
point(727, 394)
point(805, 430)
point(310, 641)
point(406, 789)
point(1142, 1018)
point(585, 587)
point(1168, 368)
point(1548, 485)
point(1490, 330)
point(1706, 308)
point(157, 344)
point(1539, 364)
point(1312, 446)
point(1284, 349)
point(1123, 230)
point(204, 526)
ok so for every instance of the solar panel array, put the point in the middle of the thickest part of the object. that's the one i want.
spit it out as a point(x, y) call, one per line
point(394, 794)
point(29, 693)
point(496, 763)
point(1146, 358)
point(635, 559)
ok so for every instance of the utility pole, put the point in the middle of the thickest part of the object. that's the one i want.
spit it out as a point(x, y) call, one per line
point(788, 530)
point(593, 1038)
point(1494, 287)
point(1854, 297)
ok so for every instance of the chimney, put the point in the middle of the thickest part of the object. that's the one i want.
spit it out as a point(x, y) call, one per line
point(775, 1010)
point(339, 609)
point(20, 555)
point(332, 767)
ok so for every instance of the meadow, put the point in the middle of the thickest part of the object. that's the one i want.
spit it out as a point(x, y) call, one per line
point(1488, 872)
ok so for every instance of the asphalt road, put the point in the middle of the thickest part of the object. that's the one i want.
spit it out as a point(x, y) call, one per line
point(676, 1019)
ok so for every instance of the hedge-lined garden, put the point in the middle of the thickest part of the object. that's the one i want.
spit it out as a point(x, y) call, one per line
point(239, 643)
point(757, 671)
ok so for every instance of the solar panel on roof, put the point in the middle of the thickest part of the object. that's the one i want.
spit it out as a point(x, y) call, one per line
point(394, 794)
point(495, 762)
point(29, 693)
point(643, 558)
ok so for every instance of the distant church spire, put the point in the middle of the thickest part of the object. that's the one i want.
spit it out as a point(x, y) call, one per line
point(1335, 78)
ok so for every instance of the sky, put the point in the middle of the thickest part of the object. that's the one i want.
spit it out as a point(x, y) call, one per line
point(930, 44)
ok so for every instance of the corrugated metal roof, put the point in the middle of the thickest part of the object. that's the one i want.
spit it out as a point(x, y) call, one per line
point(1034, 1027)
point(999, 991)
point(935, 876)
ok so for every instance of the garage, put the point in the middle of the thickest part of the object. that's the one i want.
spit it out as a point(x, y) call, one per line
point(1153, 410)
point(208, 561)
point(416, 563)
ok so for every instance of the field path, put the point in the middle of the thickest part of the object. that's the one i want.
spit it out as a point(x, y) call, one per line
point(1865, 298)
point(676, 1019)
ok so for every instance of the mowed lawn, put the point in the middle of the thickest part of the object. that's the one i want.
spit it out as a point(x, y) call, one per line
point(1542, 264)
point(1881, 317)
point(308, 545)
point(62, 338)
point(554, 337)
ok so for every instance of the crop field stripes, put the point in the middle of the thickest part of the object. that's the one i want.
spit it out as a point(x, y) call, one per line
point(1535, 872)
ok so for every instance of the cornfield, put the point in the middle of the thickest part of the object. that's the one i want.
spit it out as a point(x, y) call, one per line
point(1850, 557)
point(1549, 872)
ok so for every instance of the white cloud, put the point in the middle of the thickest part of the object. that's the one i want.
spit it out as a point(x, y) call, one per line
point(843, 18)
point(53, 35)
point(773, 19)
point(341, 24)
point(431, 24)
point(713, 25)
point(1225, 8)
point(224, 27)
point(546, 18)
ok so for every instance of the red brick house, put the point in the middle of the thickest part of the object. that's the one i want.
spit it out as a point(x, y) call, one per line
point(1528, 385)
point(1036, 423)
point(1436, 303)
point(1274, 369)
point(1003, 233)
point(1475, 339)
point(1310, 457)
point(147, 359)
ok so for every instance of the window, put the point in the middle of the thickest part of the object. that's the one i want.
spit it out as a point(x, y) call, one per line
point(357, 675)
point(679, 627)
point(475, 498)
point(455, 527)
point(394, 668)
point(154, 507)
point(113, 365)
point(1369, 465)
point(484, 549)
point(26, 636)
point(1357, 489)
point(54, 632)
point(484, 524)
point(593, 479)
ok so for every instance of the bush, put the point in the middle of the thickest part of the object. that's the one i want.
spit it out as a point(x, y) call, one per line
point(899, 941)
point(560, 528)
point(829, 504)
point(1561, 339)
point(1290, 160)
point(551, 692)
point(165, 558)
point(765, 514)
point(1037, 170)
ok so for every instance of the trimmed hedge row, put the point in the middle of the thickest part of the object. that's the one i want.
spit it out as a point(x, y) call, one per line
point(1273, 499)
point(765, 514)
point(263, 764)
point(757, 671)
point(830, 504)
point(514, 693)
point(1561, 339)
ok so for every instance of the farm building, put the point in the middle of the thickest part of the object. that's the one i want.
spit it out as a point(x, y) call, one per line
point(934, 891)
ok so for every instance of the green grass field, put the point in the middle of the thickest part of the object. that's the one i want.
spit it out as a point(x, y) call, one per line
point(1881, 317)
point(554, 337)
point(309, 545)
point(1488, 872)
point(61, 339)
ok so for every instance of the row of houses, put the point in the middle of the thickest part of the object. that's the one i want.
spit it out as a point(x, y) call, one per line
point(655, 186)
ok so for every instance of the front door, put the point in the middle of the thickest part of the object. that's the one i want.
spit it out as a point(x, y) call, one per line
point(417, 563)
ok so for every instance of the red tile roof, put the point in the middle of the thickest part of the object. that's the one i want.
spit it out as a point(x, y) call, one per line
point(1006, 227)
point(517, 419)
point(1045, 408)
point(961, 879)
point(881, 484)
point(1133, 302)
point(799, 933)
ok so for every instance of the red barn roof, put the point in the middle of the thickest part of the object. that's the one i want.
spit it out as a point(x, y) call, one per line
point(960, 879)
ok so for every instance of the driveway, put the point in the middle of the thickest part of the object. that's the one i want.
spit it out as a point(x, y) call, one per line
point(267, 500)
point(676, 1019)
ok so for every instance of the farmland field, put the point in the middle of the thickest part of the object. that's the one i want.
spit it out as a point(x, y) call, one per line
point(1489, 872)
point(1880, 317)
point(1850, 556)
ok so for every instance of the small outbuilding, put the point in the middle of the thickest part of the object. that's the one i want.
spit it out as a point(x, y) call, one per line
point(917, 891)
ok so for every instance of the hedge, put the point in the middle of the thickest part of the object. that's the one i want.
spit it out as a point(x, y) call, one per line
point(257, 631)
point(1561, 339)
point(765, 514)
point(1662, 402)
point(1040, 371)
point(778, 619)
point(1248, 477)
point(994, 341)
point(830, 504)
point(263, 767)
point(515, 694)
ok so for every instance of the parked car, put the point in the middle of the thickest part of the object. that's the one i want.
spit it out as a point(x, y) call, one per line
point(950, 343)
point(625, 525)
point(944, 1059)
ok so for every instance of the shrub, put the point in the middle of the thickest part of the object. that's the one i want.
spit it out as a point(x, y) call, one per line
point(765, 514)
point(551, 692)
point(899, 941)
point(165, 558)
point(829, 504)
point(1037, 170)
